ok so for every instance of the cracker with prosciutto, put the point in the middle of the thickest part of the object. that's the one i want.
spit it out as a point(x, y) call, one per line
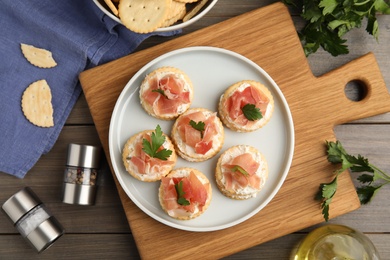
point(166, 93)
point(185, 193)
point(246, 106)
point(241, 172)
point(149, 155)
point(198, 134)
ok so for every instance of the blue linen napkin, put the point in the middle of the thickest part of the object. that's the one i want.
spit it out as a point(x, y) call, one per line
point(80, 36)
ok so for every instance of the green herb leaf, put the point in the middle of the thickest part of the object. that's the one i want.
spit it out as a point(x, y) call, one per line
point(240, 169)
point(328, 6)
point(152, 148)
point(366, 193)
point(329, 189)
point(325, 194)
point(338, 155)
point(327, 21)
point(360, 164)
point(335, 151)
point(160, 91)
point(251, 112)
point(180, 194)
point(163, 154)
point(365, 178)
point(382, 7)
point(200, 126)
point(325, 209)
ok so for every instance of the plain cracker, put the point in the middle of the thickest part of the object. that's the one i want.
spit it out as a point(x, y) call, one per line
point(175, 9)
point(36, 104)
point(111, 5)
point(187, 1)
point(143, 16)
point(174, 19)
point(194, 10)
point(38, 57)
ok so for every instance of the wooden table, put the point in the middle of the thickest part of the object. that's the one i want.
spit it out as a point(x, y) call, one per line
point(102, 231)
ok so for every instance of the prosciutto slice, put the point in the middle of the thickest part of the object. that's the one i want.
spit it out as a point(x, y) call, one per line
point(250, 95)
point(201, 142)
point(194, 191)
point(143, 162)
point(234, 179)
point(172, 96)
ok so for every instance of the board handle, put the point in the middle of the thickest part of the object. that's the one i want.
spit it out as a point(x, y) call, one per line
point(365, 71)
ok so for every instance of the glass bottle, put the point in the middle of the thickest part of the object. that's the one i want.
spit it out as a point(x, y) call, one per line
point(335, 242)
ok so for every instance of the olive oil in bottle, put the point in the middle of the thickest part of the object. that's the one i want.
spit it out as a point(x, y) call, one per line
point(335, 242)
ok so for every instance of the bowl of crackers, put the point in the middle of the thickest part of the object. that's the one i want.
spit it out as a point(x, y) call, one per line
point(145, 16)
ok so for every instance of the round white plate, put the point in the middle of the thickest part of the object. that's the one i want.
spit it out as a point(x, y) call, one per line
point(211, 70)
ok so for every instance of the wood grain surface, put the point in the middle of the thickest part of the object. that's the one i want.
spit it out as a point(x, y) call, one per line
point(102, 231)
point(317, 105)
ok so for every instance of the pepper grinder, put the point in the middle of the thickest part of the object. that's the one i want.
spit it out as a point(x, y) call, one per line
point(81, 174)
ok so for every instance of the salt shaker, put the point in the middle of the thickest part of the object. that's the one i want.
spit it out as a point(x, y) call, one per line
point(81, 174)
point(31, 218)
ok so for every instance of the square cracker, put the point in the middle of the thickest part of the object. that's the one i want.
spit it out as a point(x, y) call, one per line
point(36, 104)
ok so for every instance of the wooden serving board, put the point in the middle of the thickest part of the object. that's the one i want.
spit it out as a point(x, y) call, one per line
point(268, 37)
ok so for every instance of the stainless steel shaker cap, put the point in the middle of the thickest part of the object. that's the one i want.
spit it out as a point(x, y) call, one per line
point(78, 194)
point(83, 155)
point(45, 234)
point(20, 203)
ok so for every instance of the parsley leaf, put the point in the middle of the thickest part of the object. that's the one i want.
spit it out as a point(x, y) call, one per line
point(365, 178)
point(326, 193)
point(327, 21)
point(180, 194)
point(160, 91)
point(240, 169)
point(251, 112)
point(366, 193)
point(367, 190)
point(198, 126)
point(152, 148)
point(335, 151)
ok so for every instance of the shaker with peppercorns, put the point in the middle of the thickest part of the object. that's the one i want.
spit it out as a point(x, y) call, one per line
point(81, 174)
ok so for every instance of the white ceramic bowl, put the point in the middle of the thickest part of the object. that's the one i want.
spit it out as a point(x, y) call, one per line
point(101, 4)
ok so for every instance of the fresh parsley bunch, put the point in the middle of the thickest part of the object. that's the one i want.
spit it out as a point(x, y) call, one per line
point(327, 21)
point(371, 179)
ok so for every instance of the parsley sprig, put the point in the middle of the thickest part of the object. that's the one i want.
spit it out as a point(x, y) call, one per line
point(239, 169)
point(180, 194)
point(200, 126)
point(159, 90)
point(251, 112)
point(152, 148)
point(327, 21)
point(371, 180)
